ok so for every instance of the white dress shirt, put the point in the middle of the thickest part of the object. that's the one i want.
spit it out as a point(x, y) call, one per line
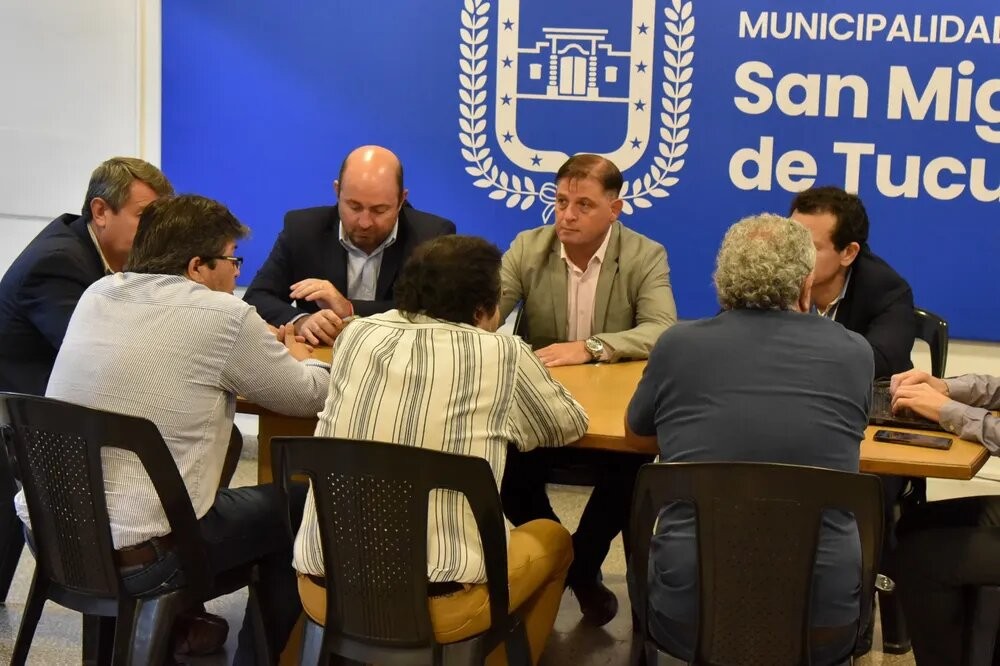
point(581, 290)
point(177, 353)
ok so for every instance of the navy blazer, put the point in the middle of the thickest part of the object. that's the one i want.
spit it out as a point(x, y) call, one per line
point(878, 304)
point(38, 294)
point(309, 247)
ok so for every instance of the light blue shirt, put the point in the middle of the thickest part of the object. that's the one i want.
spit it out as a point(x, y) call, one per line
point(363, 268)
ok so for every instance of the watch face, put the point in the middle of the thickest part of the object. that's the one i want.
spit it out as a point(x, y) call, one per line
point(595, 347)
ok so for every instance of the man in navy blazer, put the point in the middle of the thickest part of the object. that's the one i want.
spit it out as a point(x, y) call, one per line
point(41, 288)
point(854, 286)
point(338, 261)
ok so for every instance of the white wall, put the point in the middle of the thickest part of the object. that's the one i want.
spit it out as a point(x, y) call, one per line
point(81, 83)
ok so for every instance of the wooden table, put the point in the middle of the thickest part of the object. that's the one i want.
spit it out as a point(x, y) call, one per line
point(604, 390)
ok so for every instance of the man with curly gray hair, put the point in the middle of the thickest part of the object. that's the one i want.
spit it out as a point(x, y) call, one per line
point(763, 381)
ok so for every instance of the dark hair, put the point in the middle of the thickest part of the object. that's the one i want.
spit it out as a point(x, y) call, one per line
point(399, 174)
point(456, 278)
point(112, 182)
point(174, 230)
point(586, 165)
point(852, 219)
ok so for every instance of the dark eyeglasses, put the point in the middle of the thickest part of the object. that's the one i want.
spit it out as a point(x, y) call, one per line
point(237, 261)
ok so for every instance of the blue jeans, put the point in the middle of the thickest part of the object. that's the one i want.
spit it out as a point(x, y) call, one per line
point(244, 525)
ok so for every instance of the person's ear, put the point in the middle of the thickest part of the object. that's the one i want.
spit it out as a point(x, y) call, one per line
point(849, 254)
point(616, 206)
point(194, 269)
point(99, 209)
point(402, 199)
point(336, 188)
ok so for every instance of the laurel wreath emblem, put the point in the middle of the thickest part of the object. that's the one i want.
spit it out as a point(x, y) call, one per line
point(521, 191)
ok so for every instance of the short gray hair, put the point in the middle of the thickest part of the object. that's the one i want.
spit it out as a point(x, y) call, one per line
point(763, 263)
point(112, 182)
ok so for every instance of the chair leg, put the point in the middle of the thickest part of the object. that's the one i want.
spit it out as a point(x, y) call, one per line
point(29, 619)
point(262, 646)
point(98, 640)
point(151, 629)
point(124, 628)
point(312, 645)
point(518, 649)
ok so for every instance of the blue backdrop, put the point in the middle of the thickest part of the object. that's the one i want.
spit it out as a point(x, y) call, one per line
point(714, 110)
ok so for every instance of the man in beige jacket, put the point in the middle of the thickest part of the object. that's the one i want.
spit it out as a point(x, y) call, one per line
point(591, 290)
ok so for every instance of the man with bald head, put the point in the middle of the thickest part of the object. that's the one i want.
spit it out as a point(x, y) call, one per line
point(331, 262)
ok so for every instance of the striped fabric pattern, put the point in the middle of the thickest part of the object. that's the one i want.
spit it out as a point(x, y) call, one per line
point(177, 353)
point(449, 387)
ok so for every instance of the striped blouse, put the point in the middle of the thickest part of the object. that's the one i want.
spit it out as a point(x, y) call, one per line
point(444, 386)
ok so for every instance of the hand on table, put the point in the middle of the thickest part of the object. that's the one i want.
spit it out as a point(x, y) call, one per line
point(923, 399)
point(323, 293)
point(564, 353)
point(299, 350)
point(320, 328)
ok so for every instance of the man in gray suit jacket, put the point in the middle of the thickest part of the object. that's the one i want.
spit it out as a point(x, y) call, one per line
point(591, 291)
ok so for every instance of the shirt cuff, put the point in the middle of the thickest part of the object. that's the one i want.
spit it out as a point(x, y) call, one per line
point(960, 388)
point(296, 318)
point(952, 416)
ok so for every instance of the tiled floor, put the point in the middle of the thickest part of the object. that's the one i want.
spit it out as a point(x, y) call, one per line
point(57, 640)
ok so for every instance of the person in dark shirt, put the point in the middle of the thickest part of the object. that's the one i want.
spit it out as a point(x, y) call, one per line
point(760, 382)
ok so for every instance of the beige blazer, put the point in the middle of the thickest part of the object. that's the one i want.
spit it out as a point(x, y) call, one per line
point(633, 305)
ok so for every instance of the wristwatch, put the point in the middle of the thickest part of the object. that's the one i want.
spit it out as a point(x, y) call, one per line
point(595, 347)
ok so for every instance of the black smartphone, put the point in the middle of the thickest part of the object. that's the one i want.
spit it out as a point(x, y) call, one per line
point(913, 439)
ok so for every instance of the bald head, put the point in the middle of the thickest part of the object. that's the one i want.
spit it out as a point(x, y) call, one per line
point(372, 163)
point(369, 195)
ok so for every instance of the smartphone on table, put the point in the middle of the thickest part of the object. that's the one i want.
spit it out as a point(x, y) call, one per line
point(913, 439)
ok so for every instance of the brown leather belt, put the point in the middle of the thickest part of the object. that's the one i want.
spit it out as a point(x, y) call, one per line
point(144, 553)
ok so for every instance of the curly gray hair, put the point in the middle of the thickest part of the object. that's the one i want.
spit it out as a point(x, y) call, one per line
point(763, 263)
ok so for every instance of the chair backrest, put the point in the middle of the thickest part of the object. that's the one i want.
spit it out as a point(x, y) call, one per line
point(933, 330)
point(757, 529)
point(371, 502)
point(55, 448)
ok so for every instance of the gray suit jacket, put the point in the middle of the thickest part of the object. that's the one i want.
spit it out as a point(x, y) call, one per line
point(633, 304)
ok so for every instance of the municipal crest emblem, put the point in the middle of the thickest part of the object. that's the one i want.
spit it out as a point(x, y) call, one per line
point(564, 82)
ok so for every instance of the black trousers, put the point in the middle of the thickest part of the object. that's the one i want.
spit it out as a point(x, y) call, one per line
point(606, 514)
point(945, 547)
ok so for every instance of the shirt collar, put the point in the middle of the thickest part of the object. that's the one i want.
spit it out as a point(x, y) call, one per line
point(831, 309)
point(93, 236)
point(349, 246)
point(598, 256)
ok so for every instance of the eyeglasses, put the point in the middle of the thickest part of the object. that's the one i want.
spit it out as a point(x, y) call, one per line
point(237, 261)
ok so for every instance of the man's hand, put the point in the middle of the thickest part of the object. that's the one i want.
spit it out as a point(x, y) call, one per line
point(923, 399)
point(564, 353)
point(298, 349)
point(915, 377)
point(323, 293)
point(320, 328)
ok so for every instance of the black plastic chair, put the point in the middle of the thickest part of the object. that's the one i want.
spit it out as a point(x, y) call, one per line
point(56, 449)
point(933, 330)
point(757, 529)
point(371, 501)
